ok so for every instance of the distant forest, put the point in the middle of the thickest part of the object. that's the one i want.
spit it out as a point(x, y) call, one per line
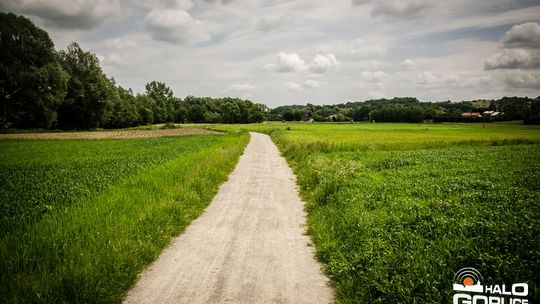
point(41, 87)
point(410, 109)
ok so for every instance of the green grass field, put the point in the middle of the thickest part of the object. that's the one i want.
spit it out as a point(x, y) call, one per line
point(395, 209)
point(81, 218)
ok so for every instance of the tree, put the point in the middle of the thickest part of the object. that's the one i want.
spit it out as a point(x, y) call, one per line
point(257, 113)
point(180, 114)
point(32, 83)
point(231, 112)
point(163, 95)
point(89, 95)
point(145, 108)
point(124, 112)
point(360, 113)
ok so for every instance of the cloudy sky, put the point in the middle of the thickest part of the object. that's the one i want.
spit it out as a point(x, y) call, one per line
point(297, 51)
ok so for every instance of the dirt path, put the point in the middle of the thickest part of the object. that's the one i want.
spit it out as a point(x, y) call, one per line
point(110, 134)
point(249, 245)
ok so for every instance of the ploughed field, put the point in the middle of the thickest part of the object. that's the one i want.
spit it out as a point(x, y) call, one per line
point(79, 219)
point(395, 210)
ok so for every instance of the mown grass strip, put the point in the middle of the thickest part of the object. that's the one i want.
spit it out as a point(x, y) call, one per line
point(92, 251)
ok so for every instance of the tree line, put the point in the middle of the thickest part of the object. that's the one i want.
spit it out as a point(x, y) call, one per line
point(410, 109)
point(41, 87)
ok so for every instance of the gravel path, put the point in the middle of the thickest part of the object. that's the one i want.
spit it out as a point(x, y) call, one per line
point(248, 246)
point(110, 134)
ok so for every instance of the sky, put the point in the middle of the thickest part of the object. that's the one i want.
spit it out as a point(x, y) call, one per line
point(281, 52)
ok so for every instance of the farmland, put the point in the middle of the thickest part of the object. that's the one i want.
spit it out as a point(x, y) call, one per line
point(81, 218)
point(395, 209)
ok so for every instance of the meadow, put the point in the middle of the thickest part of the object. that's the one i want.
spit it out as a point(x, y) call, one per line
point(80, 219)
point(395, 209)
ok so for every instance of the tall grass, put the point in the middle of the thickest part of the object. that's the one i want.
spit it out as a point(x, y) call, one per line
point(89, 249)
point(394, 226)
point(42, 175)
point(395, 209)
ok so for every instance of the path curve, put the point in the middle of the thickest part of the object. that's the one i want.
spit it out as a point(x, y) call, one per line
point(249, 246)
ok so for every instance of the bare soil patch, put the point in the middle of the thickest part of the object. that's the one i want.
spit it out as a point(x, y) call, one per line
point(111, 134)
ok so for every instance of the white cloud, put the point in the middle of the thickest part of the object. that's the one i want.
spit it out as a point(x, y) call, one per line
point(518, 63)
point(356, 48)
point(369, 65)
point(376, 94)
point(513, 59)
point(217, 1)
point(360, 2)
point(271, 23)
point(368, 50)
point(377, 76)
point(114, 59)
point(522, 79)
point(407, 64)
point(306, 84)
point(294, 86)
point(286, 63)
point(166, 4)
point(321, 63)
point(175, 26)
point(312, 83)
point(524, 35)
point(241, 87)
point(400, 9)
point(426, 77)
point(119, 44)
point(78, 14)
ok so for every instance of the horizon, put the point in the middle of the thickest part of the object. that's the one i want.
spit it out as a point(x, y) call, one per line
point(297, 52)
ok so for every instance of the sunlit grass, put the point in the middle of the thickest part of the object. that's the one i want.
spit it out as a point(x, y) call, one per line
point(391, 136)
point(395, 209)
point(102, 226)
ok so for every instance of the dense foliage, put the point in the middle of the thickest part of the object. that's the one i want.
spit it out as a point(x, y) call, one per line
point(89, 93)
point(409, 109)
point(43, 88)
point(32, 82)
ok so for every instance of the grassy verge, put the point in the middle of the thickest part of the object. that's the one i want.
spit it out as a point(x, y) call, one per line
point(393, 226)
point(395, 209)
point(113, 206)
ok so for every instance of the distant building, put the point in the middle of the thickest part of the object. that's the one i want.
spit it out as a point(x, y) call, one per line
point(493, 113)
point(471, 115)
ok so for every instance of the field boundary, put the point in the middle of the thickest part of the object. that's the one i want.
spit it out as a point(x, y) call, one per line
point(111, 134)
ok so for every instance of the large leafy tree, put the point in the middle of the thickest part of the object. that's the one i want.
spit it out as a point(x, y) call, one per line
point(145, 108)
point(32, 83)
point(163, 96)
point(124, 112)
point(90, 94)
